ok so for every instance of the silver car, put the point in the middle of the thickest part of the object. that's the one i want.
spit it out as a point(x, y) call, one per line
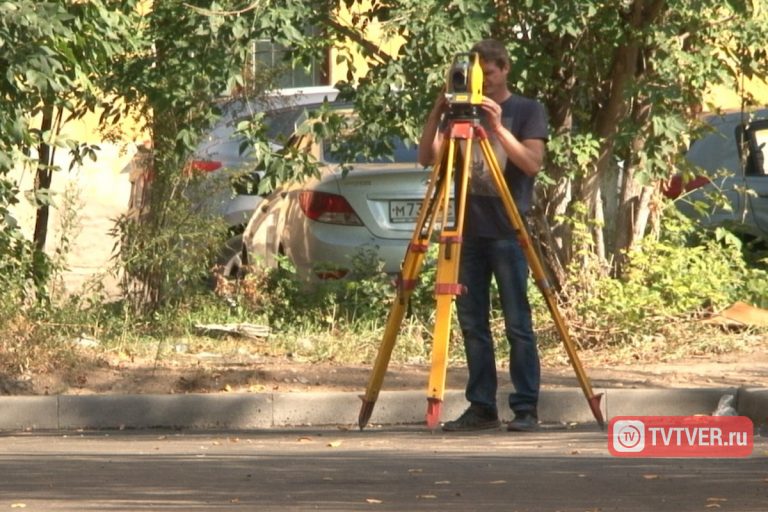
point(232, 179)
point(222, 154)
point(730, 185)
point(229, 188)
point(323, 225)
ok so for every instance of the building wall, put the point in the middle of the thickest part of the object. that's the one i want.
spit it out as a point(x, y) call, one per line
point(730, 99)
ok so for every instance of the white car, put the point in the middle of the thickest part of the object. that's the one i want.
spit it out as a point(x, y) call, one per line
point(233, 173)
point(231, 178)
point(321, 225)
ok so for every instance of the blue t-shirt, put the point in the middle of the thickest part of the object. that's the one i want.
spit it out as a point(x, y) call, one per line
point(525, 118)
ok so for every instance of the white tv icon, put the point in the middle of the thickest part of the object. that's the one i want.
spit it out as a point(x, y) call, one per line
point(628, 436)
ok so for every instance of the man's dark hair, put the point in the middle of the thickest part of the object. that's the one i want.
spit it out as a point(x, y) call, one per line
point(494, 51)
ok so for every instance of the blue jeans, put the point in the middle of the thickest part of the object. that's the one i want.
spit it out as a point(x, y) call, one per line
point(482, 258)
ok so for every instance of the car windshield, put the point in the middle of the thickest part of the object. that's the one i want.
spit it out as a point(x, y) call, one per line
point(279, 124)
point(716, 150)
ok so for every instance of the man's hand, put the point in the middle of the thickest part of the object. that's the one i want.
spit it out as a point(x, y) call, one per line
point(492, 113)
point(527, 154)
point(440, 106)
point(430, 140)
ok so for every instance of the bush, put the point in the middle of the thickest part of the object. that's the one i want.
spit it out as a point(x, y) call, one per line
point(683, 274)
point(338, 319)
point(677, 277)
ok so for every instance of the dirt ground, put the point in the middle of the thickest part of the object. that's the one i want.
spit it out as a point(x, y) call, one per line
point(207, 372)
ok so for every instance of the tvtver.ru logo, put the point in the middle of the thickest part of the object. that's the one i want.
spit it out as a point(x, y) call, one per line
point(628, 436)
point(680, 436)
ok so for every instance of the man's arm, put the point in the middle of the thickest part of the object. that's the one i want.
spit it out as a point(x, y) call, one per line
point(527, 154)
point(431, 138)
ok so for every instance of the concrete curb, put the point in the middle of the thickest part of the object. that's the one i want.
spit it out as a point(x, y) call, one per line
point(276, 410)
point(753, 402)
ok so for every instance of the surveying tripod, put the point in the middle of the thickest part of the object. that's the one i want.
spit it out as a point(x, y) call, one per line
point(461, 127)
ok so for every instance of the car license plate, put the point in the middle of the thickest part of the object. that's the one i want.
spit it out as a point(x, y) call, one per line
point(408, 211)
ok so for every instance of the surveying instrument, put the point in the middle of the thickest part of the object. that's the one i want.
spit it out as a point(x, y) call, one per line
point(464, 93)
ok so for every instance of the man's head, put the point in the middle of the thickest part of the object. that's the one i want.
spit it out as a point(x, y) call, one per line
point(494, 60)
point(492, 51)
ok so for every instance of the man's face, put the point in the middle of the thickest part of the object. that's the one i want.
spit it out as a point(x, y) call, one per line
point(494, 78)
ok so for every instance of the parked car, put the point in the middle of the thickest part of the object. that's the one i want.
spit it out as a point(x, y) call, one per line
point(322, 224)
point(230, 184)
point(729, 186)
point(234, 174)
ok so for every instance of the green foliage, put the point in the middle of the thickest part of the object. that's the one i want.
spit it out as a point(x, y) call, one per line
point(670, 281)
point(288, 301)
point(619, 78)
point(164, 263)
point(622, 81)
point(683, 274)
point(23, 270)
point(189, 55)
point(573, 152)
point(337, 319)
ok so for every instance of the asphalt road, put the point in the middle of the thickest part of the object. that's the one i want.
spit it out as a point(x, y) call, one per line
point(390, 468)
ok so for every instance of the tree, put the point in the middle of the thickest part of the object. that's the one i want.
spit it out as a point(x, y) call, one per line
point(50, 53)
point(191, 54)
point(623, 81)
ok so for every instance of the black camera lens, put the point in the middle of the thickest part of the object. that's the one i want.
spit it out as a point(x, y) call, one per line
point(459, 81)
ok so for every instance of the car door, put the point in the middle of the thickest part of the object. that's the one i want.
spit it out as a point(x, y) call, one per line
point(755, 148)
point(717, 199)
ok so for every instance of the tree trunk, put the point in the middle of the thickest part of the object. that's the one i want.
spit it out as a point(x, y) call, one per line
point(606, 128)
point(623, 71)
point(634, 204)
point(552, 237)
point(633, 208)
point(43, 180)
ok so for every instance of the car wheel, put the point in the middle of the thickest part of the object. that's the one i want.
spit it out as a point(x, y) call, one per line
point(233, 258)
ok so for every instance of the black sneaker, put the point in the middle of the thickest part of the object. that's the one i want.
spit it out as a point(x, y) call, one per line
point(524, 422)
point(474, 418)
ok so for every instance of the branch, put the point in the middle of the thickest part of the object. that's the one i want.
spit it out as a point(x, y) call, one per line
point(208, 12)
point(356, 37)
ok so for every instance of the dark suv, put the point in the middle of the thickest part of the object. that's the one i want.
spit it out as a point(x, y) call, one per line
point(730, 187)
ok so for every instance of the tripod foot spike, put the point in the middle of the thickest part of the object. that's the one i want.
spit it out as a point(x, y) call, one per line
point(594, 404)
point(365, 412)
point(434, 408)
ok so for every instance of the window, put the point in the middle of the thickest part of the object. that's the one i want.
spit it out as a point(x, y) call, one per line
point(759, 150)
point(756, 144)
point(402, 152)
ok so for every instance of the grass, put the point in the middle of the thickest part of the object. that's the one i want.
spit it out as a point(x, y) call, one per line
point(40, 344)
point(633, 319)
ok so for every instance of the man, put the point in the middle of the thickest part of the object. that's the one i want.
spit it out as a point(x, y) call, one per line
point(517, 131)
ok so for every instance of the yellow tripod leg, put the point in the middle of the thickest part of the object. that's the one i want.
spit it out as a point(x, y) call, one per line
point(412, 263)
point(541, 278)
point(446, 288)
point(447, 283)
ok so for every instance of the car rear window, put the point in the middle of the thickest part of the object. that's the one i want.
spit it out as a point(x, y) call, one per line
point(402, 152)
point(280, 124)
